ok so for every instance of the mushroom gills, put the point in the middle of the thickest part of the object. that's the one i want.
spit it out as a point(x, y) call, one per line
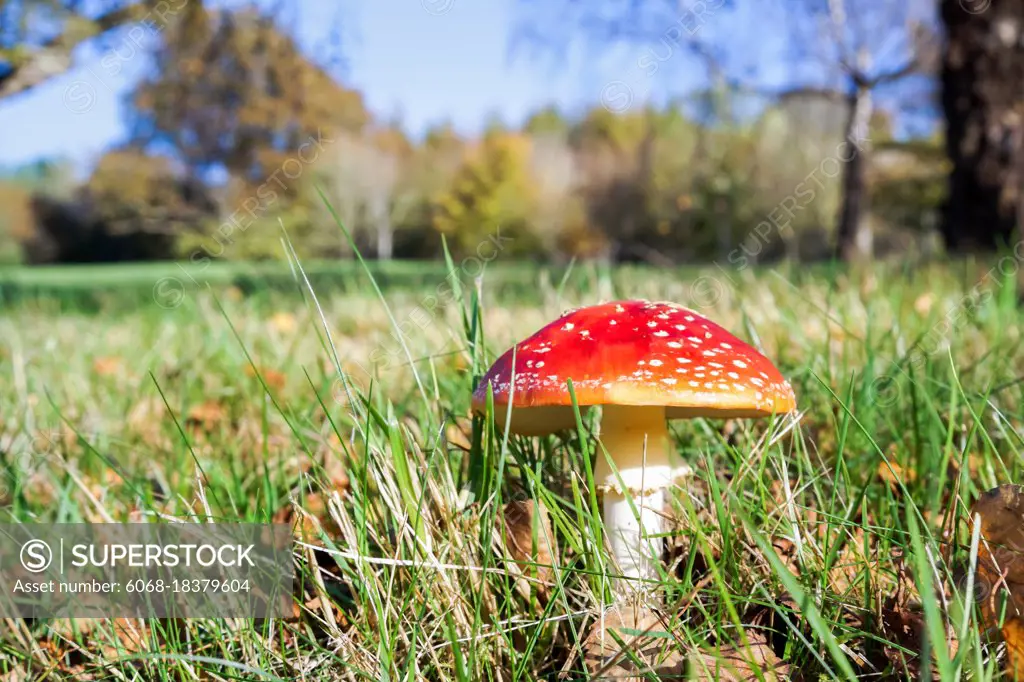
point(636, 439)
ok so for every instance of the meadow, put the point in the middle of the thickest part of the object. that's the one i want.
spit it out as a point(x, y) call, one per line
point(833, 545)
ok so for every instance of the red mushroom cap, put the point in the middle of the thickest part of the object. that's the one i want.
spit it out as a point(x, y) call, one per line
point(634, 353)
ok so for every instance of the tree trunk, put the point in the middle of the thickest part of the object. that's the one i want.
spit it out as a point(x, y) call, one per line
point(385, 237)
point(853, 236)
point(983, 104)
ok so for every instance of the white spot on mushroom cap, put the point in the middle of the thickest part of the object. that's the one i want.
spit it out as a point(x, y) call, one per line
point(568, 327)
point(655, 363)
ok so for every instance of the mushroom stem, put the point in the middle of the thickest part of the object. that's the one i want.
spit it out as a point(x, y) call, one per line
point(637, 441)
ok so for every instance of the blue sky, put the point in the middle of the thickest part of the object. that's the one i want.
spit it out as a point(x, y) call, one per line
point(421, 60)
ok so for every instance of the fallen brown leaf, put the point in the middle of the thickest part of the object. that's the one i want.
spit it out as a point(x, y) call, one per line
point(530, 541)
point(146, 419)
point(903, 626)
point(107, 366)
point(1001, 554)
point(903, 623)
point(1013, 635)
point(1000, 571)
point(786, 549)
point(923, 304)
point(283, 321)
point(754, 661)
point(974, 463)
point(630, 643)
point(307, 522)
point(271, 377)
point(458, 434)
point(892, 473)
point(207, 415)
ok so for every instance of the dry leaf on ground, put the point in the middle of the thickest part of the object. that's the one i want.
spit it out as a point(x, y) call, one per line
point(107, 366)
point(629, 643)
point(271, 377)
point(1000, 569)
point(459, 434)
point(283, 321)
point(894, 474)
point(207, 415)
point(903, 626)
point(530, 541)
point(754, 661)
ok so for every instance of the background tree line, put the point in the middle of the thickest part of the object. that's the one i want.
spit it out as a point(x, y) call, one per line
point(236, 131)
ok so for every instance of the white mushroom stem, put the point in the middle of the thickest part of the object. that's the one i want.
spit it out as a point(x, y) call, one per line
point(637, 441)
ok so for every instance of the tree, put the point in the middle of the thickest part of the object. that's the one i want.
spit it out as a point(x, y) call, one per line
point(864, 49)
point(559, 207)
point(838, 51)
point(233, 98)
point(393, 198)
point(615, 154)
point(20, 191)
point(16, 221)
point(982, 95)
point(38, 37)
point(132, 207)
point(133, 193)
point(547, 121)
point(232, 91)
point(492, 193)
point(430, 171)
point(364, 179)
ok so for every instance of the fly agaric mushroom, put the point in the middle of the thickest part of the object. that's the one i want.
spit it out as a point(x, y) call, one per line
point(643, 363)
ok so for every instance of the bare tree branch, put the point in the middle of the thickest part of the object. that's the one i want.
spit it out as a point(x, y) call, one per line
point(53, 58)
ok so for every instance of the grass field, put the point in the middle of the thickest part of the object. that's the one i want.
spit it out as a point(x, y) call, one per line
point(832, 546)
